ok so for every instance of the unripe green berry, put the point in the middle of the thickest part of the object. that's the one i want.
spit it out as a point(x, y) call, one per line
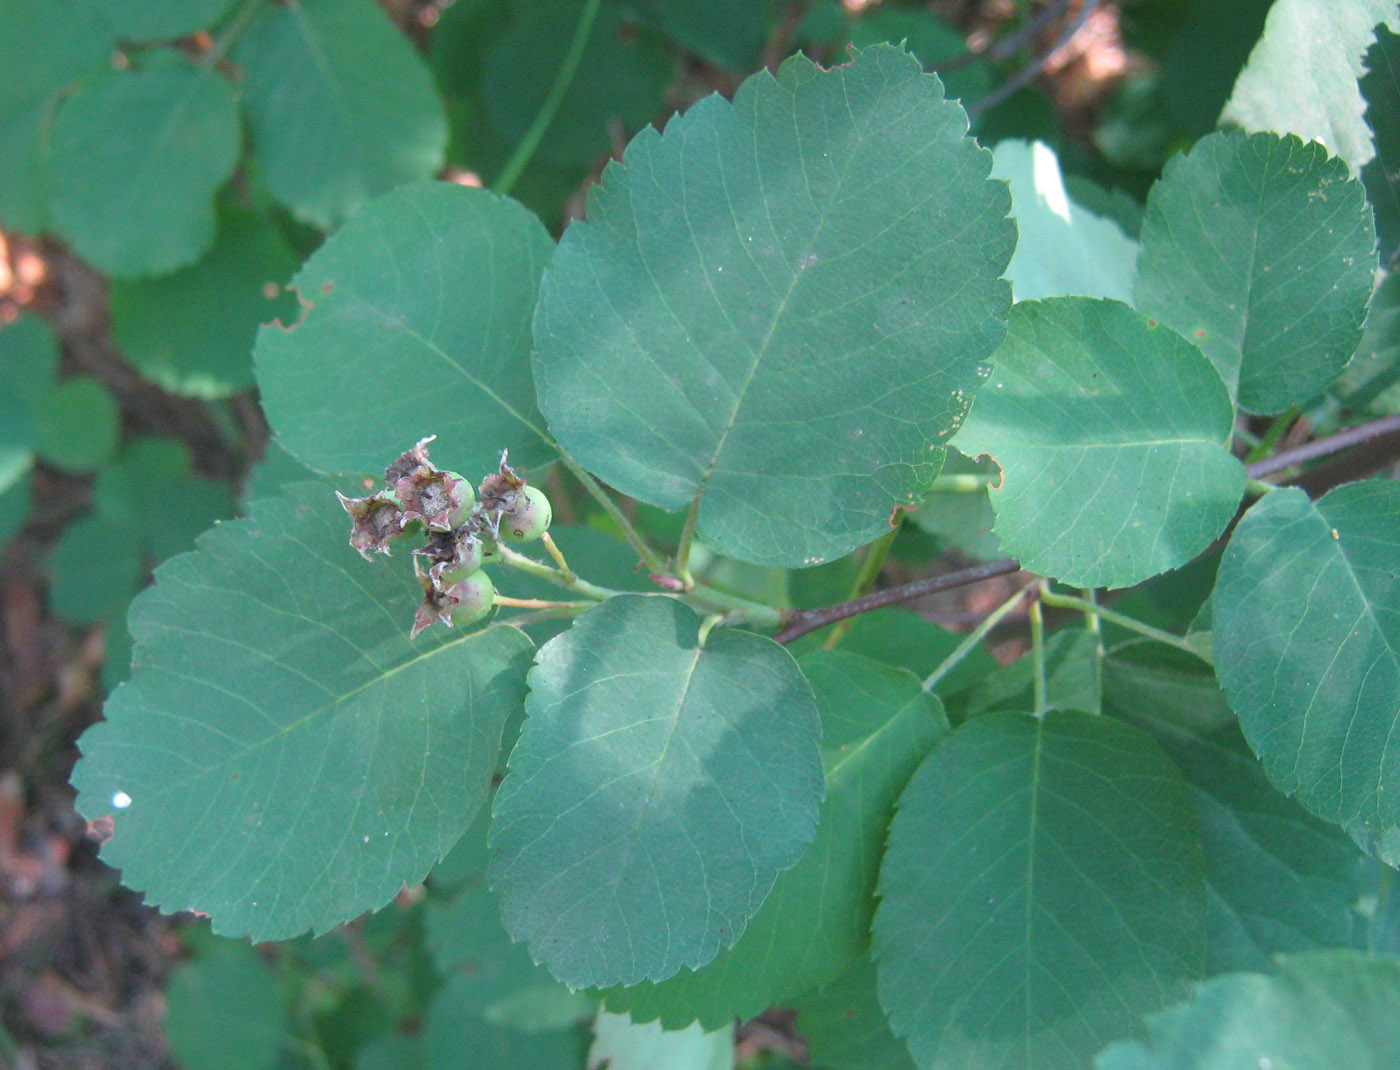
point(475, 595)
point(466, 498)
point(529, 517)
point(471, 555)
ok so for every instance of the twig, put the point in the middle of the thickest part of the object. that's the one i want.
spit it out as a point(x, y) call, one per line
point(649, 557)
point(1032, 70)
point(809, 620)
point(1322, 447)
point(990, 621)
point(1008, 44)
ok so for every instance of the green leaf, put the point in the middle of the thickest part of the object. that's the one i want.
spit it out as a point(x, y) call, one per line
point(499, 984)
point(845, 1027)
point(1369, 383)
point(1203, 60)
point(95, 570)
point(14, 505)
point(901, 638)
point(277, 467)
point(877, 725)
point(1041, 890)
point(1063, 249)
point(622, 1044)
point(1262, 250)
point(1279, 879)
point(73, 423)
point(960, 519)
point(1307, 646)
point(417, 323)
point(192, 332)
point(845, 205)
point(620, 84)
point(226, 991)
point(46, 47)
point(146, 507)
point(28, 360)
point(137, 156)
point(1321, 1007)
point(657, 788)
point(78, 425)
point(604, 558)
point(378, 123)
point(1381, 88)
point(151, 491)
point(727, 33)
point(454, 1028)
point(1112, 438)
point(287, 756)
point(1302, 76)
point(161, 20)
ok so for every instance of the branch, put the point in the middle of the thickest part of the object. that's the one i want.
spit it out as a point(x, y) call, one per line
point(1007, 45)
point(1032, 70)
point(1324, 447)
point(809, 620)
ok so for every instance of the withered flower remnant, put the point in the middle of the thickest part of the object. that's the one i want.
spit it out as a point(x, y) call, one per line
point(437, 605)
point(441, 500)
point(377, 519)
point(462, 532)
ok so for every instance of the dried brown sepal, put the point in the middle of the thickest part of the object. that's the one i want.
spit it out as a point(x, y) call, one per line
point(436, 607)
point(409, 462)
point(430, 496)
point(498, 491)
point(440, 549)
point(377, 519)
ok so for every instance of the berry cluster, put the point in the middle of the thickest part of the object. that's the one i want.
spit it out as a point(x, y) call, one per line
point(463, 530)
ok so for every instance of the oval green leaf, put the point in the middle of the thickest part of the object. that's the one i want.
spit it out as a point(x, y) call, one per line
point(1279, 879)
point(1301, 77)
point(136, 159)
point(161, 20)
point(1381, 88)
point(284, 757)
point(1262, 250)
point(845, 1026)
point(28, 360)
point(416, 322)
point(45, 48)
point(1112, 438)
point(877, 725)
point(657, 788)
point(1307, 647)
point(1062, 250)
point(781, 306)
point(192, 332)
point(1042, 889)
point(621, 1043)
point(378, 121)
point(79, 424)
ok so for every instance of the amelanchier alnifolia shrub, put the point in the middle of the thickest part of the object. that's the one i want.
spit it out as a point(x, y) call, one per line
point(777, 314)
point(462, 530)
